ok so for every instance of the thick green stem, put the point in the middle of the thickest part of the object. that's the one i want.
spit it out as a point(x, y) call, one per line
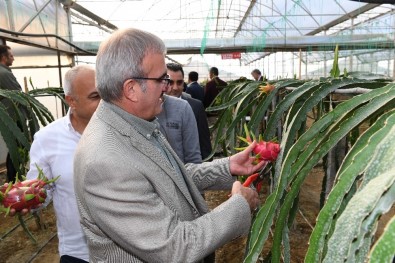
point(27, 231)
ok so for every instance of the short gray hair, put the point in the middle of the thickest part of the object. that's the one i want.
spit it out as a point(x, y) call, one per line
point(71, 75)
point(120, 57)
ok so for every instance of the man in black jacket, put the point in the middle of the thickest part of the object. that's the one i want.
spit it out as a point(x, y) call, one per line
point(213, 87)
point(257, 75)
point(194, 89)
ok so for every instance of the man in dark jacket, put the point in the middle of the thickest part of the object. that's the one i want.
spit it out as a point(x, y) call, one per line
point(194, 89)
point(8, 82)
point(213, 87)
point(257, 75)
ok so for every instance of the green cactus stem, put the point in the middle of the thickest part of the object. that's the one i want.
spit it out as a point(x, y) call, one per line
point(27, 231)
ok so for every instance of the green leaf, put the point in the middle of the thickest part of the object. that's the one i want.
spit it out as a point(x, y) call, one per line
point(363, 210)
point(384, 249)
point(318, 146)
point(326, 125)
point(232, 96)
point(353, 165)
point(285, 104)
point(260, 229)
point(263, 105)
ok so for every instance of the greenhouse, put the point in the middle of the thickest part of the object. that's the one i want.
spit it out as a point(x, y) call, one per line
point(281, 150)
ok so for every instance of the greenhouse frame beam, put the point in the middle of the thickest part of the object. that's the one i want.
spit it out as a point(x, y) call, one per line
point(220, 46)
point(90, 22)
point(342, 19)
point(367, 20)
point(29, 43)
point(82, 10)
point(358, 55)
point(246, 15)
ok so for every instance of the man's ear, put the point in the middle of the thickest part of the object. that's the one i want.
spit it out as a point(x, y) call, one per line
point(70, 101)
point(129, 90)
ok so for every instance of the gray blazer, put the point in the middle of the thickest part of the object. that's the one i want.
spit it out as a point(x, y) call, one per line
point(133, 205)
point(178, 124)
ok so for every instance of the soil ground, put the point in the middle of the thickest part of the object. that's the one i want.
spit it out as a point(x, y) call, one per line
point(15, 245)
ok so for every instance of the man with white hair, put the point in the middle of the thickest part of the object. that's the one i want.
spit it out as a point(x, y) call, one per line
point(53, 151)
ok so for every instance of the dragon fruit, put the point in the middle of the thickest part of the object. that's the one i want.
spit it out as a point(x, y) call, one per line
point(26, 183)
point(25, 194)
point(23, 197)
point(267, 151)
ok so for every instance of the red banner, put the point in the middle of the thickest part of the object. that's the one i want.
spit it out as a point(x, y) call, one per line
point(233, 55)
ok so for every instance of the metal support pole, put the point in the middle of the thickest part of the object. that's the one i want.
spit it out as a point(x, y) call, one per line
point(300, 63)
point(275, 65)
point(68, 12)
point(282, 65)
point(60, 70)
point(325, 69)
point(59, 66)
point(306, 66)
point(352, 53)
point(293, 65)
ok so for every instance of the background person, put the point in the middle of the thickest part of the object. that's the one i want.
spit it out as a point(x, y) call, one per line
point(213, 87)
point(257, 75)
point(137, 201)
point(7, 78)
point(8, 82)
point(53, 151)
point(176, 73)
point(177, 122)
point(194, 89)
point(178, 125)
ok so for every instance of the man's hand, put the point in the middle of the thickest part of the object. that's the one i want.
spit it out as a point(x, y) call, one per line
point(242, 163)
point(249, 194)
point(23, 212)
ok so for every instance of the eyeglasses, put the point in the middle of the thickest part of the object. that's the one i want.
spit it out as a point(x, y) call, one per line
point(165, 81)
point(178, 82)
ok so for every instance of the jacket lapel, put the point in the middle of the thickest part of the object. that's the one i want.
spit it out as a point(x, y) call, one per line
point(151, 151)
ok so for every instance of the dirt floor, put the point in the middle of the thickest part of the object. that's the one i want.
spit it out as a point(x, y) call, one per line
point(15, 245)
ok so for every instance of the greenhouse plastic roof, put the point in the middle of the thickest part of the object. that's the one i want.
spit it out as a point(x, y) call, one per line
point(256, 28)
point(240, 18)
point(262, 25)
